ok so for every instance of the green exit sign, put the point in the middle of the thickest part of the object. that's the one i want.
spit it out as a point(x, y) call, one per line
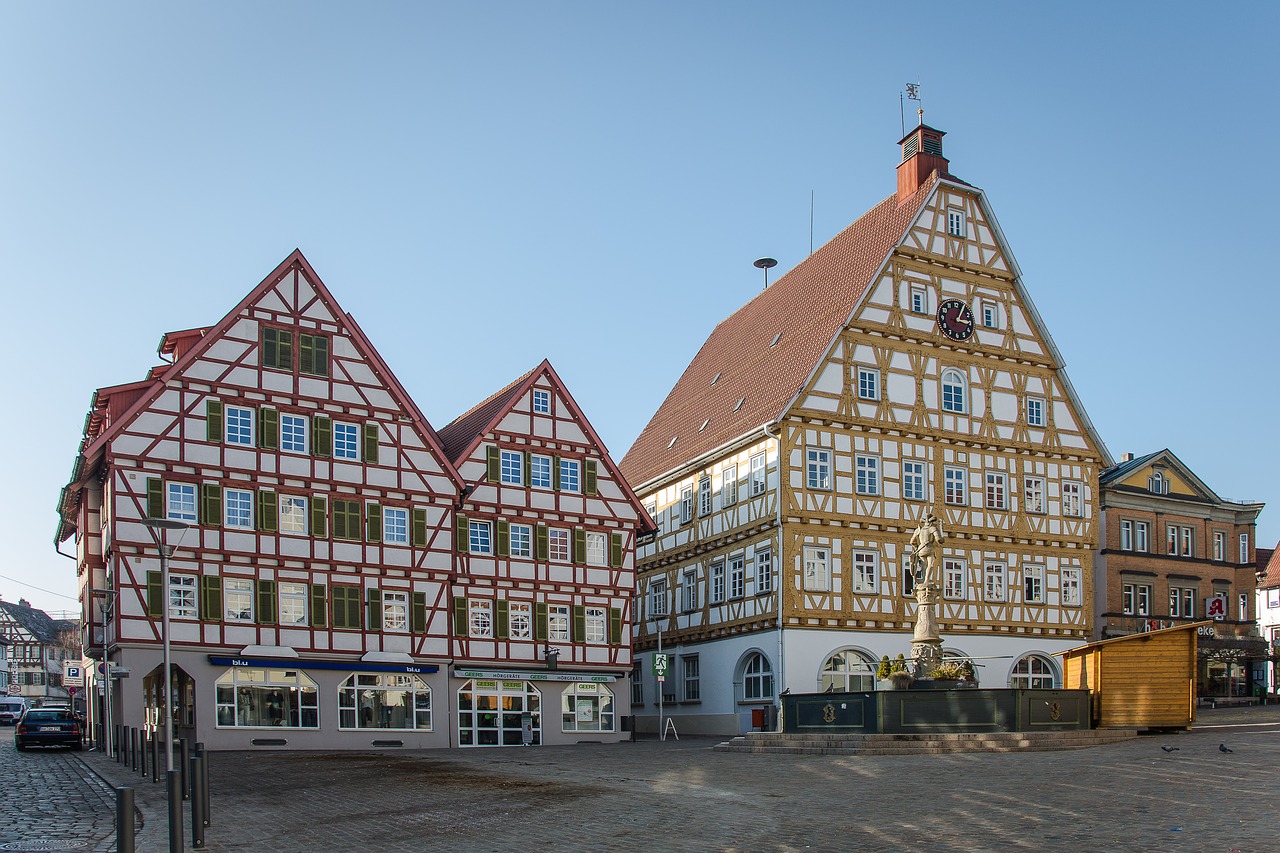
point(660, 664)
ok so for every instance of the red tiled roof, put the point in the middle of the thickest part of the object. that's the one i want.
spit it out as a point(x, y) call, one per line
point(457, 436)
point(808, 306)
point(1269, 573)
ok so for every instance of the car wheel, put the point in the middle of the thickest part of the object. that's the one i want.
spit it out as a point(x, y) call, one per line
point(18, 746)
point(76, 747)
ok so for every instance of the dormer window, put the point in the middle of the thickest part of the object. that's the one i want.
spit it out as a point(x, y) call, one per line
point(1158, 484)
point(775, 340)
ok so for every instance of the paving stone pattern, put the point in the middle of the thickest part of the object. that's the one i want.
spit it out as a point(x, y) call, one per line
point(682, 795)
point(48, 795)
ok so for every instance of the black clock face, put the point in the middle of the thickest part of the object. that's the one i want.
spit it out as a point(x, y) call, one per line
point(955, 320)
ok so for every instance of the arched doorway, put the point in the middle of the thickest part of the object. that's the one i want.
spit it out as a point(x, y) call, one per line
point(184, 701)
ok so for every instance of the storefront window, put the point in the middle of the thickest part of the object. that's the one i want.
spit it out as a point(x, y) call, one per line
point(587, 708)
point(267, 698)
point(493, 712)
point(384, 702)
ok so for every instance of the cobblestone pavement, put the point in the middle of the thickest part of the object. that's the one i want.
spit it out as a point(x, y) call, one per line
point(48, 795)
point(680, 795)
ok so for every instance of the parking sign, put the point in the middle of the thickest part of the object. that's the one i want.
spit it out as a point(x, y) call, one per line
point(72, 674)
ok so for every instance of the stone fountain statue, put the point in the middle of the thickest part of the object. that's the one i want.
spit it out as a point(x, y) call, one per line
point(926, 562)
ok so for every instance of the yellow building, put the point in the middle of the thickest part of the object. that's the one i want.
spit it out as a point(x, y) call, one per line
point(899, 370)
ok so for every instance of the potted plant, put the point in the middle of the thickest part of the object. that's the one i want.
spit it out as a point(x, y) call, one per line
point(948, 674)
point(882, 674)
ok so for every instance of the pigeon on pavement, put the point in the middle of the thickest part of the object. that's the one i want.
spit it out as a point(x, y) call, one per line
point(1222, 747)
point(1169, 748)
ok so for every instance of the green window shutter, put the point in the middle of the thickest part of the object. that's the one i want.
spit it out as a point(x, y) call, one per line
point(213, 420)
point(321, 345)
point(460, 616)
point(540, 621)
point(270, 348)
point(155, 497)
point(501, 619)
point(339, 519)
point(418, 613)
point(374, 596)
point(373, 522)
point(319, 517)
point(419, 527)
point(321, 435)
point(589, 476)
point(462, 534)
point(313, 355)
point(353, 608)
point(268, 511)
point(579, 623)
point(211, 598)
point(346, 607)
point(615, 550)
point(155, 595)
point(318, 609)
point(210, 504)
point(266, 602)
point(555, 473)
point(268, 428)
point(615, 626)
point(504, 538)
point(579, 546)
point(541, 546)
point(370, 454)
point(494, 469)
point(526, 471)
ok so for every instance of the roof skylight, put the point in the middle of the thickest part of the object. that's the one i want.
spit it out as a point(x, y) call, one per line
point(741, 400)
point(776, 338)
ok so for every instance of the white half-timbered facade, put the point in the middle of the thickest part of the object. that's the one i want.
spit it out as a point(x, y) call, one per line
point(900, 370)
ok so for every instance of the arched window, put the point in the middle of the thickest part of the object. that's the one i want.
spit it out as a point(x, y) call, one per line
point(757, 677)
point(848, 671)
point(1034, 672)
point(954, 391)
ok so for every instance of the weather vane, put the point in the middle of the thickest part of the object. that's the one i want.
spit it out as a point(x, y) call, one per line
point(912, 94)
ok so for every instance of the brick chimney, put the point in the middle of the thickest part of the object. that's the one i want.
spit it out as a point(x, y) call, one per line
point(921, 156)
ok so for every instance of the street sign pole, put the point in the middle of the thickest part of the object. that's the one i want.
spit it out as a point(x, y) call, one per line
point(662, 734)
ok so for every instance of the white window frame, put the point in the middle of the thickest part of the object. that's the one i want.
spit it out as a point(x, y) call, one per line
point(737, 576)
point(690, 678)
point(183, 602)
point(997, 491)
point(995, 581)
point(395, 525)
point(1033, 584)
point(480, 618)
point(1141, 536)
point(704, 495)
point(729, 486)
point(658, 596)
point(520, 540)
point(293, 514)
point(816, 562)
point(866, 572)
point(716, 596)
point(689, 590)
point(570, 475)
point(292, 599)
point(596, 625)
point(686, 504)
point(990, 314)
point(818, 468)
point(180, 502)
point(1033, 494)
point(540, 467)
point(919, 296)
point(1126, 535)
point(541, 401)
point(479, 536)
point(1220, 545)
point(868, 383)
point(1073, 498)
point(519, 620)
point(955, 485)
point(914, 480)
point(597, 548)
point(954, 585)
point(294, 433)
point(1244, 549)
point(867, 474)
point(346, 441)
point(511, 467)
point(956, 224)
point(953, 391)
point(395, 610)
point(237, 599)
point(764, 569)
point(759, 474)
point(1035, 411)
point(239, 426)
point(1072, 590)
point(237, 509)
point(559, 545)
point(1135, 599)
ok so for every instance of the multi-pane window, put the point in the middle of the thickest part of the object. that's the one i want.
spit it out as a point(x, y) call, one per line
point(953, 391)
point(1033, 672)
point(1136, 599)
point(182, 596)
point(817, 568)
point(293, 603)
point(818, 467)
point(865, 572)
point(758, 475)
point(737, 576)
point(729, 485)
point(913, 480)
point(239, 425)
point(757, 678)
point(511, 465)
point(597, 549)
point(1035, 411)
point(1179, 540)
point(540, 471)
point(993, 588)
point(181, 502)
point(1182, 601)
point(293, 514)
point(997, 490)
point(395, 525)
point(396, 702)
point(1244, 607)
point(1072, 595)
point(346, 441)
point(558, 545)
point(689, 672)
point(237, 508)
point(479, 617)
point(686, 504)
point(637, 681)
point(658, 597)
point(1158, 484)
point(1033, 493)
point(1033, 584)
point(293, 433)
point(237, 599)
point(955, 222)
point(570, 480)
point(1244, 548)
point(868, 383)
point(1072, 498)
point(953, 485)
point(1140, 536)
point(953, 585)
point(558, 622)
point(541, 401)
point(595, 624)
point(764, 570)
point(867, 474)
point(717, 582)
point(689, 591)
point(919, 299)
point(704, 495)
point(519, 620)
point(1126, 535)
point(395, 611)
point(990, 314)
point(521, 536)
point(908, 577)
point(479, 537)
point(1219, 545)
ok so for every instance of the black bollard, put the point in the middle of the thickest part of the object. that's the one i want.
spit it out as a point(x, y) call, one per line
point(133, 748)
point(142, 757)
point(184, 750)
point(155, 757)
point(115, 742)
point(204, 781)
point(197, 801)
point(124, 820)
point(173, 783)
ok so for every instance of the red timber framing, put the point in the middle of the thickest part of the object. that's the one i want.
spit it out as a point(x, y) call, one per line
point(546, 534)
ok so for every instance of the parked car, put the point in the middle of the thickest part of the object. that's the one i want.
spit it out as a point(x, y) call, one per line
point(47, 727)
point(11, 708)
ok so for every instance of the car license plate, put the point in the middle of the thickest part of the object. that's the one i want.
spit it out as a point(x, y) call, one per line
point(50, 729)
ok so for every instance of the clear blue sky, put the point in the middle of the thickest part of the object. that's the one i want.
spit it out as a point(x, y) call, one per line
point(486, 184)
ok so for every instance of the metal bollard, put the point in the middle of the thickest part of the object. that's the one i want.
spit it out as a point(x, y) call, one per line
point(204, 781)
point(173, 784)
point(124, 820)
point(197, 801)
point(133, 748)
point(142, 759)
point(155, 757)
point(115, 742)
point(184, 749)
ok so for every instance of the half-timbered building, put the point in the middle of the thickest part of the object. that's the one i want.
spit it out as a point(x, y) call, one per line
point(311, 561)
point(900, 369)
point(545, 536)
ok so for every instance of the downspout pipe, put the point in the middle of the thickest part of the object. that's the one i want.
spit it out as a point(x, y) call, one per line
point(778, 584)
